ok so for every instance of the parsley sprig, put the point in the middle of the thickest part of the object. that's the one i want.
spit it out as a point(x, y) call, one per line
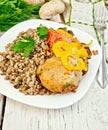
point(43, 32)
point(25, 45)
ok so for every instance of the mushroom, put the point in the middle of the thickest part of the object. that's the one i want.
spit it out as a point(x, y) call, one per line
point(51, 8)
point(35, 2)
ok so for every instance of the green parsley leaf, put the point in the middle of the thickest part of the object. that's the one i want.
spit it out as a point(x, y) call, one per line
point(43, 32)
point(28, 50)
point(25, 45)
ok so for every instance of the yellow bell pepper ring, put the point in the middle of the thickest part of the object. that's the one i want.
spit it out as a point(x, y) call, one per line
point(73, 63)
point(61, 46)
point(65, 33)
point(73, 55)
point(78, 50)
point(83, 53)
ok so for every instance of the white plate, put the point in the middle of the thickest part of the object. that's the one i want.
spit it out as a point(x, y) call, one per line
point(52, 101)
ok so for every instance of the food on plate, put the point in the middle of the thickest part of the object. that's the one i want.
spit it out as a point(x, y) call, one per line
point(45, 61)
point(51, 8)
point(56, 78)
point(20, 69)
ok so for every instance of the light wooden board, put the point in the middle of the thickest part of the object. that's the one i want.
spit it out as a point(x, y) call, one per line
point(90, 113)
point(1, 106)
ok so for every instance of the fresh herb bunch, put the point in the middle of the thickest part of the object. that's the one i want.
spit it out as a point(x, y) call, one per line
point(15, 11)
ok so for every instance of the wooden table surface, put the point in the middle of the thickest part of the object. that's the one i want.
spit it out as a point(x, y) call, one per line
point(90, 113)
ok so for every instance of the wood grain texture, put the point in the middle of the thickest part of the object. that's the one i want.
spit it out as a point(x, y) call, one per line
point(90, 113)
point(1, 106)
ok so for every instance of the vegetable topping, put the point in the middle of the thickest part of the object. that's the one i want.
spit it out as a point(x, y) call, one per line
point(74, 52)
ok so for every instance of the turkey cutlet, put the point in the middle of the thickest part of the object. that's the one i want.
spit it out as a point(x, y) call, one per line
point(56, 78)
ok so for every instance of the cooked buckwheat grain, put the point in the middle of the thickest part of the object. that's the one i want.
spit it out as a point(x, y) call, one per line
point(20, 71)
